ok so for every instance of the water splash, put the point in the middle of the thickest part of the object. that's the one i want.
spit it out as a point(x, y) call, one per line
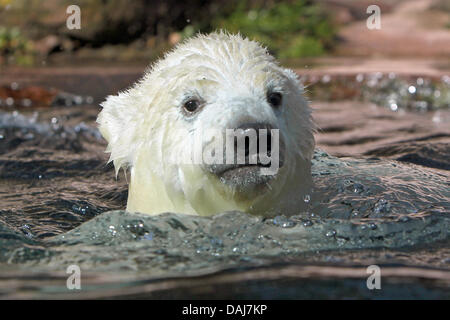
point(396, 207)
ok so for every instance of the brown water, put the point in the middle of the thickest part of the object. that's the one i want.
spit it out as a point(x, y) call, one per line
point(365, 208)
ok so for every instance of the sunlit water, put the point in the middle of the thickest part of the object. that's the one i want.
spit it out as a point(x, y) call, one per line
point(60, 205)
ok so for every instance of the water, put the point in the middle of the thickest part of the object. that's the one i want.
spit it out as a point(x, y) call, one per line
point(61, 205)
point(417, 93)
point(370, 205)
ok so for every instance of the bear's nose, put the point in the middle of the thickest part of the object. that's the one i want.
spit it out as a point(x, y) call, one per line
point(249, 138)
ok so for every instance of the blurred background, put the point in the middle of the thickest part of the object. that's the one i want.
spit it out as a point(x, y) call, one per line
point(34, 33)
point(377, 94)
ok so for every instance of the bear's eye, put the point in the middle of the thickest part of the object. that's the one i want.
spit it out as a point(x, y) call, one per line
point(191, 105)
point(274, 99)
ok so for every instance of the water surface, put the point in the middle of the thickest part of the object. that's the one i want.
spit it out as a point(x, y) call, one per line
point(61, 205)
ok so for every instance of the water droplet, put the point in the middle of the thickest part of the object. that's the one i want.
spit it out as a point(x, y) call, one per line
point(307, 223)
point(26, 103)
point(393, 106)
point(372, 82)
point(412, 89)
point(437, 117)
point(382, 206)
point(359, 77)
point(358, 188)
point(68, 102)
point(331, 233)
point(78, 100)
point(252, 14)
point(9, 101)
point(283, 222)
point(326, 78)
point(14, 86)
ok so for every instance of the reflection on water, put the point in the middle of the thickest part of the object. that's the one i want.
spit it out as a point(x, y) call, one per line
point(54, 183)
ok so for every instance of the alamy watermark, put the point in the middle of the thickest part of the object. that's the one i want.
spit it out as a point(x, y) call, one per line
point(374, 20)
point(73, 21)
point(231, 147)
point(74, 280)
point(374, 280)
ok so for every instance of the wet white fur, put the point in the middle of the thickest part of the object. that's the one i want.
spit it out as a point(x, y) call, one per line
point(232, 75)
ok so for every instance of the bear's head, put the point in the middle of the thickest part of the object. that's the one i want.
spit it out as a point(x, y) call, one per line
point(216, 125)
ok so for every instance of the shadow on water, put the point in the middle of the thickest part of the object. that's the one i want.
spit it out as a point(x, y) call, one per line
point(56, 189)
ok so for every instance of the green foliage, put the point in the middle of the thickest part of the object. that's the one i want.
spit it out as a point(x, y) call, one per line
point(14, 47)
point(292, 29)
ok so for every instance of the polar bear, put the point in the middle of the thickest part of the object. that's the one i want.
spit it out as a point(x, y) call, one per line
point(229, 85)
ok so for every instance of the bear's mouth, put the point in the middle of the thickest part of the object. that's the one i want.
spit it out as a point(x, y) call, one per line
point(245, 177)
point(253, 163)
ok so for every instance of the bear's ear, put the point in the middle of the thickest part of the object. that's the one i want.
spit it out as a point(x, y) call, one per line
point(118, 123)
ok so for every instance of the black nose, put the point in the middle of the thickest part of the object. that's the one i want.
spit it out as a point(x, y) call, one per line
point(251, 130)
